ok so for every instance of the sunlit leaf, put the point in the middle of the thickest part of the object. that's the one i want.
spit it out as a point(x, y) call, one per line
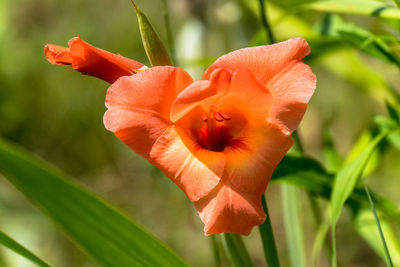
point(379, 227)
point(358, 148)
point(345, 182)
point(357, 7)
point(10, 243)
point(365, 225)
point(104, 233)
point(155, 50)
point(360, 38)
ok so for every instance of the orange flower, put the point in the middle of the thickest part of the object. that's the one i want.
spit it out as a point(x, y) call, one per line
point(90, 60)
point(219, 139)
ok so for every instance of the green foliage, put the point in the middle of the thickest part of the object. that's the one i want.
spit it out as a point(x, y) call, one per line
point(344, 184)
point(57, 115)
point(267, 237)
point(293, 225)
point(357, 7)
point(10, 243)
point(153, 46)
point(103, 232)
point(236, 250)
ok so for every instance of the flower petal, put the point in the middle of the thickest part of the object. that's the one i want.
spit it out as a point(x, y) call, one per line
point(249, 166)
point(248, 96)
point(226, 210)
point(195, 170)
point(280, 69)
point(292, 88)
point(138, 105)
point(92, 61)
point(200, 92)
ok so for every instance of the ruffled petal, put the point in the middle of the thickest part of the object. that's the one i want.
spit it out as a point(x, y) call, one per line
point(138, 105)
point(195, 170)
point(248, 96)
point(249, 166)
point(201, 92)
point(292, 89)
point(280, 69)
point(227, 211)
point(92, 61)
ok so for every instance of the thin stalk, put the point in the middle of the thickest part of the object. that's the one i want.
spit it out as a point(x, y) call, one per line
point(236, 250)
point(378, 224)
point(216, 252)
point(264, 20)
point(293, 226)
point(267, 237)
point(315, 209)
point(170, 36)
point(297, 142)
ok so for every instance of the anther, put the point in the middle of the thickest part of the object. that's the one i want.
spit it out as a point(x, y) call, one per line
point(218, 117)
point(224, 115)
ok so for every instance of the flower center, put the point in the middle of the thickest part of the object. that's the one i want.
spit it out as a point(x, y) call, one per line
point(214, 135)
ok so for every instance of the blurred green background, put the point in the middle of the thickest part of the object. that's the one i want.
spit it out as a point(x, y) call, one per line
point(57, 113)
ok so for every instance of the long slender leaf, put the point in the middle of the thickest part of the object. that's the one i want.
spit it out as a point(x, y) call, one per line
point(10, 243)
point(357, 7)
point(365, 225)
point(378, 224)
point(236, 250)
point(344, 184)
point(293, 226)
point(267, 237)
point(104, 233)
point(308, 174)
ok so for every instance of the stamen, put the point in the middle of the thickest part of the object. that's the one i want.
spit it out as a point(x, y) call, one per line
point(218, 117)
point(224, 115)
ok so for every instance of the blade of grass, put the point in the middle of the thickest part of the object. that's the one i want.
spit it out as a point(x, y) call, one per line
point(320, 239)
point(267, 237)
point(216, 252)
point(106, 234)
point(10, 243)
point(293, 226)
point(378, 224)
point(236, 250)
point(344, 184)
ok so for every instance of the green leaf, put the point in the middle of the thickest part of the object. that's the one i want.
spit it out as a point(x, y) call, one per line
point(357, 7)
point(308, 174)
point(236, 250)
point(365, 225)
point(378, 224)
point(104, 233)
point(10, 243)
point(384, 124)
point(267, 237)
point(345, 182)
point(360, 38)
point(293, 226)
point(153, 46)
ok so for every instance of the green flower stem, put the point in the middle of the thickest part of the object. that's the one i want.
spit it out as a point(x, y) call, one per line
point(216, 252)
point(267, 237)
point(264, 20)
point(236, 250)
